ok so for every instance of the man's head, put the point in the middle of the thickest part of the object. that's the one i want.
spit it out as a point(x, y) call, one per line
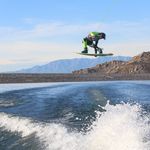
point(102, 35)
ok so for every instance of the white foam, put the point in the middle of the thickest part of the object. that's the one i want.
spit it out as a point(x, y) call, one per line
point(121, 127)
point(16, 124)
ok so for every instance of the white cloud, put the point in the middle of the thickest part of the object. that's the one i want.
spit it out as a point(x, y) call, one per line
point(128, 48)
point(36, 52)
point(28, 20)
point(6, 62)
point(123, 29)
point(50, 30)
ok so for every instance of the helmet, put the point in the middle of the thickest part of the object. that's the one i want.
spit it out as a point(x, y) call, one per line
point(102, 35)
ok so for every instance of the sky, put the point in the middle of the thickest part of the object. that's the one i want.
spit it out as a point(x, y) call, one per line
point(35, 32)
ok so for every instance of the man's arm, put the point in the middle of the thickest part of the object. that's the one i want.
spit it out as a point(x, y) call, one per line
point(94, 45)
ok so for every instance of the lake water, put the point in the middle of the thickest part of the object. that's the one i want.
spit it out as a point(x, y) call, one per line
point(110, 115)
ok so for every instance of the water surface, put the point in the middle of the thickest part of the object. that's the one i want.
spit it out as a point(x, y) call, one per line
point(75, 116)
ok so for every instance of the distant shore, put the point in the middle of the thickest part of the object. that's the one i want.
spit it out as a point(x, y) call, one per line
point(55, 77)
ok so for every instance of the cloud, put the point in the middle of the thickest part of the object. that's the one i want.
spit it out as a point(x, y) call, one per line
point(50, 30)
point(119, 30)
point(28, 20)
point(6, 62)
point(128, 48)
point(36, 51)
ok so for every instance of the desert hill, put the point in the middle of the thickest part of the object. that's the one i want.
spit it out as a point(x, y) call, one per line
point(137, 65)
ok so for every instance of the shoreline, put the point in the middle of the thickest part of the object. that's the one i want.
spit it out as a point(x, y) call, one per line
point(57, 77)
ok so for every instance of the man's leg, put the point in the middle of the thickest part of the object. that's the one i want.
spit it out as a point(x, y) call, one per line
point(95, 50)
point(84, 43)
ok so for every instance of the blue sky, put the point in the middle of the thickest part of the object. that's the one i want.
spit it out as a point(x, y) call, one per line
point(34, 32)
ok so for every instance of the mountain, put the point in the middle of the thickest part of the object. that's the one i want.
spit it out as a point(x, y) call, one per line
point(137, 65)
point(69, 65)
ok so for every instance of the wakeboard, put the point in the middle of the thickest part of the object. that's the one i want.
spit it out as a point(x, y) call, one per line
point(101, 54)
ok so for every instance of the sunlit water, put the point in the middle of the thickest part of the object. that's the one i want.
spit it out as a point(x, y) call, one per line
point(75, 116)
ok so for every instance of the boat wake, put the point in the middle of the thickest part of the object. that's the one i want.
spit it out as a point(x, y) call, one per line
point(121, 127)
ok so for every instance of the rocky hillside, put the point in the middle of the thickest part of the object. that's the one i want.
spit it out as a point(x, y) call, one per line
point(137, 65)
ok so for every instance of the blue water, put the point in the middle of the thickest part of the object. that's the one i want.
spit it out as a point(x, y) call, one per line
point(75, 116)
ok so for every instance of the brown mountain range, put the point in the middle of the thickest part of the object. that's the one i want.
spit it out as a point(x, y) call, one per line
point(139, 64)
point(136, 69)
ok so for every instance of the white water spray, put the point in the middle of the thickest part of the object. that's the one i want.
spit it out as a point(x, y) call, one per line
point(121, 127)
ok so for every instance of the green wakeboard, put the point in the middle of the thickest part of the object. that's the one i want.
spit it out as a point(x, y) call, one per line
point(87, 54)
